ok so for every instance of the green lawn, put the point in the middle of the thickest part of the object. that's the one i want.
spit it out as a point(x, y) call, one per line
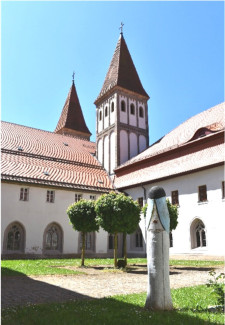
point(191, 307)
point(52, 266)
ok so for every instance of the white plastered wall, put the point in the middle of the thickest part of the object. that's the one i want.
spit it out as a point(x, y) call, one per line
point(106, 152)
point(142, 143)
point(112, 152)
point(36, 214)
point(133, 145)
point(100, 150)
point(123, 146)
point(211, 213)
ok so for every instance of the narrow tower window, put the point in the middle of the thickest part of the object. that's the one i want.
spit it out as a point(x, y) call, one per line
point(100, 116)
point(106, 111)
point(112, 107)
point(123, 106)
point(132, 109)
point(141, 111)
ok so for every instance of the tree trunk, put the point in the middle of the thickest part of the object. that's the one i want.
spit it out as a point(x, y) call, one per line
point(125, 247)
point(83, 248)
point(115, 250)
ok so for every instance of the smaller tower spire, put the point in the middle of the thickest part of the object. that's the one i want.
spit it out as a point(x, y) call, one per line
point(121, 27)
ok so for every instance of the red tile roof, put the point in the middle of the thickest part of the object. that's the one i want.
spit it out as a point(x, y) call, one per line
point(122, 72)
point(212, 119)
point(174, 167)
point(178, 152)
point(27, 153)
point(72, 120)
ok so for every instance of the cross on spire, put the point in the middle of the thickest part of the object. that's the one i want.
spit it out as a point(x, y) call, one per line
point(121, 27)
point(73, 75)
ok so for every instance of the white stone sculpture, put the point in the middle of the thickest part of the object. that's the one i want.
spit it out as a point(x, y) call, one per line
point(158, 227)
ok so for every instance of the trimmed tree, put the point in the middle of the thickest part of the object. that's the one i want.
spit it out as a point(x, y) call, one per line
point(173, 212)
point(116, 213)
point(82, 216)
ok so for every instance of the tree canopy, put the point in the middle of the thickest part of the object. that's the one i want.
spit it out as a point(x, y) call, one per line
point(82, 216)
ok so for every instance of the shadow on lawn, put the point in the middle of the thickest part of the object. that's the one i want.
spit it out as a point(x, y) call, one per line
point(19, 289)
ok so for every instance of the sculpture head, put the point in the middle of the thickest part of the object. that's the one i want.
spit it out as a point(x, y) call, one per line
point(157, 216)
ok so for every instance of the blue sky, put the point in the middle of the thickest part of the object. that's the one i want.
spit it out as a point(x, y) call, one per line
point(177, 48)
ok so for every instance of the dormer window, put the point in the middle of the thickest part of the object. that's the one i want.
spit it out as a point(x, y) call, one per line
point(141, 111)
point(106, 111)
point(123, 106)
point(132, 109)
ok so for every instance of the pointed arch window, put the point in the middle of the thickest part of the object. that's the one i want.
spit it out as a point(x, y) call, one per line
point(136, 240)
point(141, 111)
point(111, 241)
point(14, 238)
point(89, 241)
point(198, 234)
point(123, 106)
point(53, 238)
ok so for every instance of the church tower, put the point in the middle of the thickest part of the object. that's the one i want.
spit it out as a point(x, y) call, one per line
point(122, 112)
point(71, 121)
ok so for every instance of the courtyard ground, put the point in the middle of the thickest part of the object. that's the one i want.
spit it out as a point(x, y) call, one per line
point(96, 282)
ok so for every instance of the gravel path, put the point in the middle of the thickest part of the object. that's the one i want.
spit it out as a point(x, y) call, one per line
point(97, 282)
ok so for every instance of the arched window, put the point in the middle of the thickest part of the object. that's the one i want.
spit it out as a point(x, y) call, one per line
point(171, 239)
point(106, 111)
point(123, 106)
point(89, 241)
point(100, 115)
point(111, 242)
point(14, 238)
point(136, 240)
point(132, 109)
point(198, 234)
point(139, 238)
point(112, 107)
point(141, 111)
point(53, 238)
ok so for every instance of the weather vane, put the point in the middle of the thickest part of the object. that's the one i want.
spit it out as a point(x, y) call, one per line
point(121, 28)
point(73, 75)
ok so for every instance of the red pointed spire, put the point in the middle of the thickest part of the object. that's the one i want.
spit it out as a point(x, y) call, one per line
point(71, 121)
point(122, 71)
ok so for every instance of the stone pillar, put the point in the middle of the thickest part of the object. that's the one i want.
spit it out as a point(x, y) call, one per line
point(158, 227)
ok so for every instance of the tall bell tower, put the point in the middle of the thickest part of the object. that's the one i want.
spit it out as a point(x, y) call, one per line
point(122, 111)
